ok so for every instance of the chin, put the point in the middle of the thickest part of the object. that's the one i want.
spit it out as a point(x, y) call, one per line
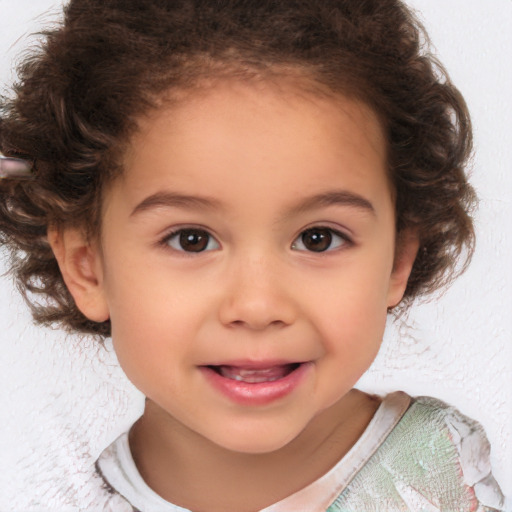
point(257, 442)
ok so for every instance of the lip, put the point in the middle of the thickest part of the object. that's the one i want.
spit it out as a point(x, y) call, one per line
point(256, 393)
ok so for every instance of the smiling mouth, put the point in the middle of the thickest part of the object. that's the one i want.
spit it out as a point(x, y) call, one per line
point(255, 375)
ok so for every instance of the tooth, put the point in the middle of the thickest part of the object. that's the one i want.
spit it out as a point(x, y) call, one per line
point(253, 376)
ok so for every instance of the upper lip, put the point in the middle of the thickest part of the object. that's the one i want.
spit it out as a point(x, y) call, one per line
point(254, 365)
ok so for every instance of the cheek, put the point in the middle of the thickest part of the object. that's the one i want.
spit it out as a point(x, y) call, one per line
point(351, 341)
point(354, 333)
point(350, 346)
point(352, 313)
point(152, 321)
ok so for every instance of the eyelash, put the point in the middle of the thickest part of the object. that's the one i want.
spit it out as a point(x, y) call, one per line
point(324, 242)
point(178, 233)
point(343, 239)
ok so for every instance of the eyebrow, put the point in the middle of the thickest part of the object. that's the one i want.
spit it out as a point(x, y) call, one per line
point(334, 198)
point(174, 200)
point(166, 199)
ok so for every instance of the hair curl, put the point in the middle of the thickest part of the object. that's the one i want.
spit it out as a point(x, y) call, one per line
point(79, 96)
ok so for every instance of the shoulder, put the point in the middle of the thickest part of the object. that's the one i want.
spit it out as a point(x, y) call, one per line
point(429, 419)
point(434, 458)
point(111, 462)
point(464, 436)
point(454, 446)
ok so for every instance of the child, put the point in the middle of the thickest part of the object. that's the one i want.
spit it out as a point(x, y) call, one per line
point(239, 194)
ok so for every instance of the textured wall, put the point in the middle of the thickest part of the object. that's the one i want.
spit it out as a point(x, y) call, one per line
point(63, 399)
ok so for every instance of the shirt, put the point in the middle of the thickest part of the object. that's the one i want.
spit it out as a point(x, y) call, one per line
point(416, 455)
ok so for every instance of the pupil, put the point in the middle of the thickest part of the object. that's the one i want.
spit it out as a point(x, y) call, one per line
point(317, 240)
point(193, 240)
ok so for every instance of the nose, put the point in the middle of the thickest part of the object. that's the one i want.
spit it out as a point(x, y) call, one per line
point(256, 296)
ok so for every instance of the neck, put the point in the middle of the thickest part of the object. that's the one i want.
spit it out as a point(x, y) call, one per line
point(189, 470)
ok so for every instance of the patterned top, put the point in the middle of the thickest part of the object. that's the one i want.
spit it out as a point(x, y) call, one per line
point(416, 455)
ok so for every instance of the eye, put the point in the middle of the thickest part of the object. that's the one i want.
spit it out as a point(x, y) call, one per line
point(191, 240)
point(319, 239)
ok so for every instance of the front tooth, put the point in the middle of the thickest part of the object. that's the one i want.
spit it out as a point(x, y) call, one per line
point(250, 376)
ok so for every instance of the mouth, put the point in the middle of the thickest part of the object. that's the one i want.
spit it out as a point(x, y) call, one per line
point(253, 375)
point(256, 384)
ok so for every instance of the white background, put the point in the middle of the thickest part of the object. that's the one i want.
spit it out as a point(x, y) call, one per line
point(63, 399)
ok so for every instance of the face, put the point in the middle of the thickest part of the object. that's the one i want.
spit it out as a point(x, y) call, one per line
point(247, 260)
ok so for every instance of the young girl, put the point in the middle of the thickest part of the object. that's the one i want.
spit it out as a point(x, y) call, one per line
point(239, 193)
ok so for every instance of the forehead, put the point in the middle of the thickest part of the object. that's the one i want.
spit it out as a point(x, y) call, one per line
point(256, 137)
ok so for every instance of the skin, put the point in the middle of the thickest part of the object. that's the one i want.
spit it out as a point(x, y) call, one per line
point(252, 162)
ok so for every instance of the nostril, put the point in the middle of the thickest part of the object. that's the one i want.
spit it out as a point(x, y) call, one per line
point(257, 325)
point(256, 308)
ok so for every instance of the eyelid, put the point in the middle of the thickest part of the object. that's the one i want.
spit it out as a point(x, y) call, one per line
point(176, 230)
point(347, 239)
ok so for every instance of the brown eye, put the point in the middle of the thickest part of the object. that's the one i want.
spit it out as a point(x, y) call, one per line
point(192, 240)
point(319, 239)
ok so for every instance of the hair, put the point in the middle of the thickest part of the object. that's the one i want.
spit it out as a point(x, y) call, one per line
point(79, 96)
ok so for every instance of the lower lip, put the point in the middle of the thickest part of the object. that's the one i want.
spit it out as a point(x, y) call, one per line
point(260, 393)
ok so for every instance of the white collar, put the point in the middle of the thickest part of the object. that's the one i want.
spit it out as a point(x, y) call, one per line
point(118, 467)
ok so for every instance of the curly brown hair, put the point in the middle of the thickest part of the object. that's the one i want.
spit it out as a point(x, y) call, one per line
point(79, 96)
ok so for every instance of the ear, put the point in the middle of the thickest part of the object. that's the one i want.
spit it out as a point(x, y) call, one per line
point(405, 254)
point(81, 267)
